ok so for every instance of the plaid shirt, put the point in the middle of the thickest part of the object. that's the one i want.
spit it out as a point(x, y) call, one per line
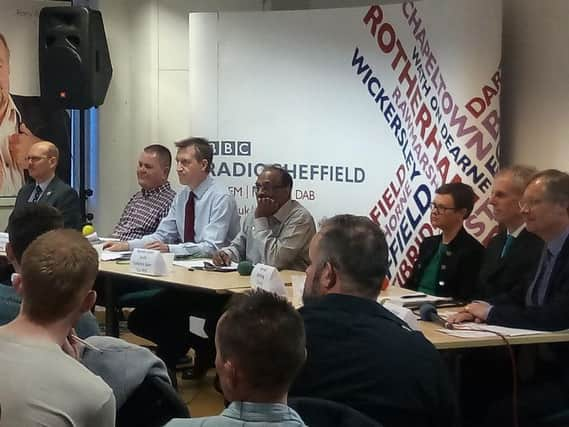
point(143, 212)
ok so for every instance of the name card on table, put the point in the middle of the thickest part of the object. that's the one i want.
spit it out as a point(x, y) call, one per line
point(403, 313)
point(268, 279)
point(148, 261)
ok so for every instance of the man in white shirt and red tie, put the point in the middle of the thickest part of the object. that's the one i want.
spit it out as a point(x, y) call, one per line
point(203, 218)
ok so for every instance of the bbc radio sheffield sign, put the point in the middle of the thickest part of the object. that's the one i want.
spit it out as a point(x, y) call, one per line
point(370, 109)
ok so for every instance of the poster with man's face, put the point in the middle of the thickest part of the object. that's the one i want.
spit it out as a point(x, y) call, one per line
point(24, 117)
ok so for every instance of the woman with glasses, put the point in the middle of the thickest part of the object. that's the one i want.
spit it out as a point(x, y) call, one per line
point(448, 263)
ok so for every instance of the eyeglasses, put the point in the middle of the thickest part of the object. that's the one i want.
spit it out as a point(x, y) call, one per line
point(267, 187)
point(529, 203)
point(35, 159)
point(184, 162)
point(441, 208)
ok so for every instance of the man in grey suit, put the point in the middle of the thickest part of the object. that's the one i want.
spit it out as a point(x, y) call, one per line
point(48, 189)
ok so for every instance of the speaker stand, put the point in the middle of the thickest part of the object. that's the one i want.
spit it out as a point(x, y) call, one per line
point(84, 192)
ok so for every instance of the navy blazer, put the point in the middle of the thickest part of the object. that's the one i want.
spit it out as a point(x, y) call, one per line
point(361, 355)
point(59, 195)
point(499, 274)
point(553, 315)
point(459, 267)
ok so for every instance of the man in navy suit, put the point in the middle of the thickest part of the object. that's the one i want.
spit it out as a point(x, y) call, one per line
point(47, 188)
point(511, 257)
point(543, 305)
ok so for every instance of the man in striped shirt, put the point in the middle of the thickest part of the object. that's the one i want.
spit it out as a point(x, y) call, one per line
point(147, 207)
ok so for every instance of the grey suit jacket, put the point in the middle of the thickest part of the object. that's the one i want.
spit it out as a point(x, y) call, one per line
point(59, 195)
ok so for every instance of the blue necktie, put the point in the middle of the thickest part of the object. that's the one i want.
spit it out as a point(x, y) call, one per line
point(507, 245)
point(37, 194)
point(536, 292)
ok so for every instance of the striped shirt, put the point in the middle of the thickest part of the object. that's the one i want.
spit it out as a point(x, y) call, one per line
point(143, 212)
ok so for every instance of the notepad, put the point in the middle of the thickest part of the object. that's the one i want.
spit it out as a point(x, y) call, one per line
point(110, 256)
point(479, 333)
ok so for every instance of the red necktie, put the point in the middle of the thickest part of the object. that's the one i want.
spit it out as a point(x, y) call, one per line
point(189, 232)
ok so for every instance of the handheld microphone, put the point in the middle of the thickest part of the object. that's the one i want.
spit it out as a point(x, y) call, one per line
point(428, 312)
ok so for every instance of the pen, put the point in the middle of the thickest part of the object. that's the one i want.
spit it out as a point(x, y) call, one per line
point(85, 343)
point(414, 296)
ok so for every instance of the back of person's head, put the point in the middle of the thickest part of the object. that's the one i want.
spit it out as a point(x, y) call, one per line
point(202, 147)
point(556, 185)
point(162, 153)
point(521, 176)
point(461, 193)
point(28, 222)
point(262, 335)
point(356, 248)
point(58, 271)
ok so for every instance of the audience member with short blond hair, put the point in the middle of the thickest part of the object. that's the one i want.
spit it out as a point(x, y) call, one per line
point(26, 224)
point(41, 383)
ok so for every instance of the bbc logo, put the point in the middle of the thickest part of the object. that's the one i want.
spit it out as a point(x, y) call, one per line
point(231, 148)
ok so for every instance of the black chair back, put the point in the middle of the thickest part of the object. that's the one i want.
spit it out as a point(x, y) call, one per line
point(326, 413)
point(153, 404)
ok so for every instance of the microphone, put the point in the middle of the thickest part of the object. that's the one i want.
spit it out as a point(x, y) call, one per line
point(428, 312)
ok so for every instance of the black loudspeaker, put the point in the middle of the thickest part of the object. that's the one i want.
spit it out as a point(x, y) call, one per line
point(75, 66)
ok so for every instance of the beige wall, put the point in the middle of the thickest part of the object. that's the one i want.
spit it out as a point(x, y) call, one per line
point(147, 102)
point(535, 97)
point(148, 99)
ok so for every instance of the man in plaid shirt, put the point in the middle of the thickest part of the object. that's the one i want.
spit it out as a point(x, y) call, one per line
point(147, 207)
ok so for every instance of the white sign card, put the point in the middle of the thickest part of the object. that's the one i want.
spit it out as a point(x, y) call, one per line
point(148, 261)
point(268, 279)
